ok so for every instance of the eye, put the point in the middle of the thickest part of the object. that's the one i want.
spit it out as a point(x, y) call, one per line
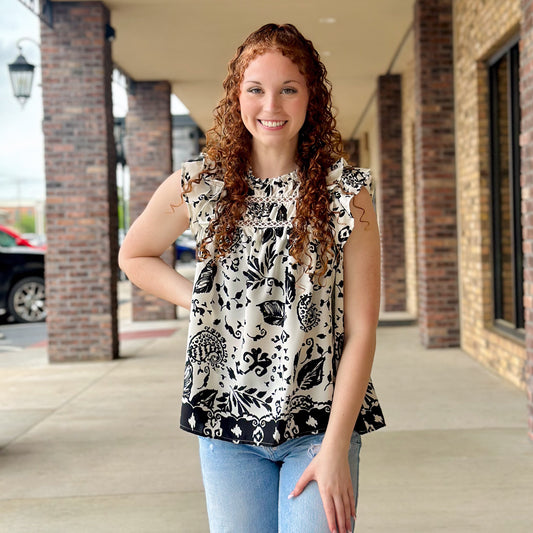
point(254, 90)
point(288, 90)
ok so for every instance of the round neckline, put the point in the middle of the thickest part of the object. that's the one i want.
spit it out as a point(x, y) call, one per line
point(291, 174)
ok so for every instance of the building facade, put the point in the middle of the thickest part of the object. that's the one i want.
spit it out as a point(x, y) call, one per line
point(466, 152)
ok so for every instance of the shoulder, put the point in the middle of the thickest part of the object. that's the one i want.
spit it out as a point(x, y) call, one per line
point(348, 179)
point(349, 201)
point(200, 176)
point(192, 168)
point(168, 195)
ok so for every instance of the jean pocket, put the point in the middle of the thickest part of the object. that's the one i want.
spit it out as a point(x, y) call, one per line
point(314, 447)
point(314, 443)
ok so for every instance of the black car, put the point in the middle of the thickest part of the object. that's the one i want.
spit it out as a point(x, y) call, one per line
point(22, 284)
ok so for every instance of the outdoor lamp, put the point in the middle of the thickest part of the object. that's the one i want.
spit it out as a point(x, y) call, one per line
point(21, 74)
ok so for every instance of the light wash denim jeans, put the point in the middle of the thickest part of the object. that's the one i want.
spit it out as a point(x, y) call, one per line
point(247, 487)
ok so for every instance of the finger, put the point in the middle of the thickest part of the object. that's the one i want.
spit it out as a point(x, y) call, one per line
point(352, 502)
point(347, 512)
point(304, 480)
point(329, 508)
point(340, 514)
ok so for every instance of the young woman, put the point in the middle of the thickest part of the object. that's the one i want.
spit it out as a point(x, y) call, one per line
point(285, 302)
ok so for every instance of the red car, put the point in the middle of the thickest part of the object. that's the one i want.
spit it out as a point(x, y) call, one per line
point(10, 239)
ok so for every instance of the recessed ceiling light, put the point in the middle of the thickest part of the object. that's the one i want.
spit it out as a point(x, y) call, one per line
point(327, 20)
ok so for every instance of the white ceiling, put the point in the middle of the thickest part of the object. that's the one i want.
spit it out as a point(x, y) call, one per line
point(189, 43)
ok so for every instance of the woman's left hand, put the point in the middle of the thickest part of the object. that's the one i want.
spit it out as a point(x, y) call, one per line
point(331, 471)
point(330, 467)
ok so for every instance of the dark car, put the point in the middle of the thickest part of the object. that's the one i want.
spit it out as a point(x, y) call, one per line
point(22, 284)
point(185, 248)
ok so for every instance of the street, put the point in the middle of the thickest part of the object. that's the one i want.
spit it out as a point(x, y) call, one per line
point(15, 337)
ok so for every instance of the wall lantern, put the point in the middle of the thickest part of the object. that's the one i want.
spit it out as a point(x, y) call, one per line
point(21, 74)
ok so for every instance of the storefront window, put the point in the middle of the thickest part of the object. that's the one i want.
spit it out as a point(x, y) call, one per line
point(505, 183)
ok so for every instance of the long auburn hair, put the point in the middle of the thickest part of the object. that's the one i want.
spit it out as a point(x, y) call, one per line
point(229, 148)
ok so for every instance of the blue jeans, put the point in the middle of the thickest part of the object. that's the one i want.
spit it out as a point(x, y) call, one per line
point(247, 487)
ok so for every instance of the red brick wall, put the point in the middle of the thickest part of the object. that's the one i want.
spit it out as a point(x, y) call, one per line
point(435, 174)
point(149, 157)
point(526, 141)
point(81, 201)
point(389, 99)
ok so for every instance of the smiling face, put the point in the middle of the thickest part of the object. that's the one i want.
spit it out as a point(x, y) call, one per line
point(273, 100)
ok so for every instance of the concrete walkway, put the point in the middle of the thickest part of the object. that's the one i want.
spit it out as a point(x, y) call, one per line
point(94, 447)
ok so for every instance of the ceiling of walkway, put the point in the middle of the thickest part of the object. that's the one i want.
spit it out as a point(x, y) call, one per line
point(189, 43)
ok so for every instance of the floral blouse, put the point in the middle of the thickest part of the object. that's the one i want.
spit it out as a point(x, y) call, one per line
point(265, 341)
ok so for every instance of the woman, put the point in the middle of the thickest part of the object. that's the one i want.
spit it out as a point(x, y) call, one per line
point(285, 302)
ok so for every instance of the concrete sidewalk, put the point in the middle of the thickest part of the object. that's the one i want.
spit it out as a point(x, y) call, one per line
point(94, 447)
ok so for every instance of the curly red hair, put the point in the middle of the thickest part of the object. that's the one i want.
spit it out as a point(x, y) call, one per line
point(229, 146)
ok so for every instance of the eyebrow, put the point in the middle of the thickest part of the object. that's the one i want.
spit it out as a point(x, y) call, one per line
point(259, 83)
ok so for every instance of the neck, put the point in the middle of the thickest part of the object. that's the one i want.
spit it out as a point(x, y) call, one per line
point(272, 163)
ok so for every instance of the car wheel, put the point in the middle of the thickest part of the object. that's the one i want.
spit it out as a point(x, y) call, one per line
point(27, 301)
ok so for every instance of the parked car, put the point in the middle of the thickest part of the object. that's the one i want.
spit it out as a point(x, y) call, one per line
point(185, 247)
point(22, 292)
point(39, 241)
point(10, 238)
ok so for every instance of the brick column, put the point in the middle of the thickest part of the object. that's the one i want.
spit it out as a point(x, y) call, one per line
point(435, 175)
point(389, 97)
point(149, 156)
point(526, 142)
point(81, 197)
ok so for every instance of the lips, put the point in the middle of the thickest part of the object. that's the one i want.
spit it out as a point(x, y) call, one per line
point(273, 123)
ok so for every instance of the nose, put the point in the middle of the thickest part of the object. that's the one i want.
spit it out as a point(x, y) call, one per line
point(272, 101)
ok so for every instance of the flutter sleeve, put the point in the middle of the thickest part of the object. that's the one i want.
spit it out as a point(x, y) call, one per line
point(201, 193)
point(345, 182)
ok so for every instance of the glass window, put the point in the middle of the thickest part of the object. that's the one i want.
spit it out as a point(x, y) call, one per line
point(6, 240)
point(506, 195)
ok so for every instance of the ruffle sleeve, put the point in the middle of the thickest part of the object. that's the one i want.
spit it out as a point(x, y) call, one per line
point(202, 197)
point(344, 182)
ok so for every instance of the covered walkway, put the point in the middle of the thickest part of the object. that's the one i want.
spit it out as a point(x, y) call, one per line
point(95, 446)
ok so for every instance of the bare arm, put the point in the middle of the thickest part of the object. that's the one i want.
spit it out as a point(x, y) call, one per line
point(165, 218)
point(361, 313)
point(362, 281)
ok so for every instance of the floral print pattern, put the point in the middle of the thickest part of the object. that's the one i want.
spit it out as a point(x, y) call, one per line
point(265, 340)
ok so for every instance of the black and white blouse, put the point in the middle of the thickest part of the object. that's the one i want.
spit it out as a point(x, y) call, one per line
point(264, 340)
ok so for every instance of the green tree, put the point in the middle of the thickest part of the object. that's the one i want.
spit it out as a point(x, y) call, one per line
point(25, 223)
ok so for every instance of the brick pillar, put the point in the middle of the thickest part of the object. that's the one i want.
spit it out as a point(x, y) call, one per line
point(526, 143)
point(351, 147)
point(438, 298)
point(149, 156)
point(389, 97)
point(81, 196)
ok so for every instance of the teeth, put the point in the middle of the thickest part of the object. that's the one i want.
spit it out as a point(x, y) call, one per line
point(272, 123)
